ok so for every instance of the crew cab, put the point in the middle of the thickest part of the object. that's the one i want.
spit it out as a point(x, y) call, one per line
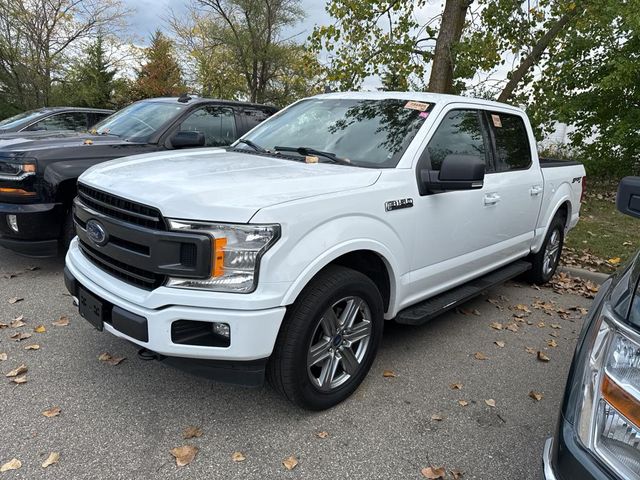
point(598, 431)
point(38, 171)
point(285, 253)
point(54, 118)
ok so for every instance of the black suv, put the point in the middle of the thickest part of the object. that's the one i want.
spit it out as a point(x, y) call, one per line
point(54, 118)
point(38, 173)
point(598, 433)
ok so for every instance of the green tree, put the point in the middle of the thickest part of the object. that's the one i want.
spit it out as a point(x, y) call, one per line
point(90, 82)
point(160, 74)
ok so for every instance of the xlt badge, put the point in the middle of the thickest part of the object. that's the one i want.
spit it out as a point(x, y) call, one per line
point(398, 204)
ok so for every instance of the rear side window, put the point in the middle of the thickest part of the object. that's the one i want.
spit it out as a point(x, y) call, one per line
point(512, 149)
point(254, 116)
point(459, 133)
point(62, 121)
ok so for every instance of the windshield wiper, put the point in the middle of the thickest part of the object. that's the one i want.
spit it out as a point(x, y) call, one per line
point(253, 145)
point(312, 151)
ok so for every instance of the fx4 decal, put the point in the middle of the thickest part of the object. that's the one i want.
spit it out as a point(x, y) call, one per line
point(398, 204)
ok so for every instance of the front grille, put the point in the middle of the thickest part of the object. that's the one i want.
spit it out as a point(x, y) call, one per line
point(120, 208)
point(128, 273)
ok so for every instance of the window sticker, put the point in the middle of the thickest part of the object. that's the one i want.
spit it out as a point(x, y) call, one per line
point(496, 120)
point(420, 106)
point(423, 114)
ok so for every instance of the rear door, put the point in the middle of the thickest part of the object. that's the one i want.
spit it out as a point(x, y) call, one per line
point(517, 182)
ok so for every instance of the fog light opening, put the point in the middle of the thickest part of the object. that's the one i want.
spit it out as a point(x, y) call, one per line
point(12, 221)
point(221, 329)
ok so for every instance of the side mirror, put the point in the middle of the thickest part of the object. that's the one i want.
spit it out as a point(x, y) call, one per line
point(457, 172)
point(628, 198)
point(187, 139)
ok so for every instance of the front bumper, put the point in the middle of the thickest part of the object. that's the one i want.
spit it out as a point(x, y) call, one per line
point(39, 225)
point(253, 333)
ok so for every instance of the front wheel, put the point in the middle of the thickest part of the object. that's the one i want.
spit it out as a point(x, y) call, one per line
point(328, 340)
point(545, 262)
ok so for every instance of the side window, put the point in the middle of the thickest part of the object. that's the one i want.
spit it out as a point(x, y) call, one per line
point(62, 121)
point(512, 149)
point(97, 118)
point(459, 133)
point(254, 116)
point(218, 125)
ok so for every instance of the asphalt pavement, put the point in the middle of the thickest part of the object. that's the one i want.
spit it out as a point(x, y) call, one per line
point(120, 422)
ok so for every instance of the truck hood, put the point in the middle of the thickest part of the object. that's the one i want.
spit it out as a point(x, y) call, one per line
point(219, 185)
point(22, 143)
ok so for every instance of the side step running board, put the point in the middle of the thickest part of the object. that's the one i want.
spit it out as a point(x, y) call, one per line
point(432, 307)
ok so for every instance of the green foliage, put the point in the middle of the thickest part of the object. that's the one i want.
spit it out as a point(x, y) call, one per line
point(90, 81)
point(592, 82)
point(160, 74)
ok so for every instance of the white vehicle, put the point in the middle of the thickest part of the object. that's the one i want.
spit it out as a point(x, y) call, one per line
point(286, 252)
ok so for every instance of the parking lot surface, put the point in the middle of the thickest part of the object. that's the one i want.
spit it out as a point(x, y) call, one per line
point(121, 421)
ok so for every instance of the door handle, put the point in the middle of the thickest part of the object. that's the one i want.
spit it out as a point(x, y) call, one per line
point(535, 190)
point(491, 199)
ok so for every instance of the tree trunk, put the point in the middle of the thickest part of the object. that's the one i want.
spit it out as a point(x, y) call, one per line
point(536, 52)
point(441, 79)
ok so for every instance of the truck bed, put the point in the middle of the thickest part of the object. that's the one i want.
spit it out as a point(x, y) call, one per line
point(556, 162)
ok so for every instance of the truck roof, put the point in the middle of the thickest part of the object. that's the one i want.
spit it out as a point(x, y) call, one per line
point(419, 96)
point(195, 100)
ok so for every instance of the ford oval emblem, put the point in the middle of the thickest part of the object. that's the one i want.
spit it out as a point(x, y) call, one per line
point(96, 232)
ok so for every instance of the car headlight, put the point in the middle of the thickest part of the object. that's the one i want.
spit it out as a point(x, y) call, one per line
point(237, 250)
point(609, 416)
point(16, 170)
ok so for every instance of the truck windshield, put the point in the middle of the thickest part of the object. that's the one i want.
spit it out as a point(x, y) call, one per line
point(22, 119)
point(369, 133)
point(139, 121)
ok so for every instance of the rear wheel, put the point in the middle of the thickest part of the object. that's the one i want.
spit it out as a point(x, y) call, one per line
point(328, 340)
point(545, 262)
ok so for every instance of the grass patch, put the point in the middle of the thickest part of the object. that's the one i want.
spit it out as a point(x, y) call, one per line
point(603, 231)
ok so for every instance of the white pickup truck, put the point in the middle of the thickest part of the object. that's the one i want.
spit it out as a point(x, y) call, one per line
point(285, 253)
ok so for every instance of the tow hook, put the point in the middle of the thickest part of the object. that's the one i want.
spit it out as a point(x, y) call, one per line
point(146, 355)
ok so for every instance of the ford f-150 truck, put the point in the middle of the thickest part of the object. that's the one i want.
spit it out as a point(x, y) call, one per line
point(39, 170)
point(285, 253)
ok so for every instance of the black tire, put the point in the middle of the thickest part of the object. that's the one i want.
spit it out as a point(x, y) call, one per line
point(542, 271)
point(68, 232)
point(288, 370)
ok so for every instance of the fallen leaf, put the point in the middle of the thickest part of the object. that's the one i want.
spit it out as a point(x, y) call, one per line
point(290, 462)
point(322, 434)
point(437, 417)
point(3, 357)
point(33, 346)
point(522, 308)
point(496, 325)
point(542, 357)
point(238, 457)
point(3, 325)
point(63, 321)
point(51, 459)
point(13, 300)
point(20, 380)
point(499, 343)
point(552, 343)
point(537, 396)
point(191, 432)
point(434, 473)
point(512, 327)
point(107, 358)
point(12, 464)
point(554, 334)
point(389, 374)
point(17, 322)
point(455, 386)
point(40, 329)
point(491, 402)
point(480, 356)
point(530, 350)
point(184, 455)
point(463, 403)
point(52, 412)
point(614, 260)
point(556, 326)
point(456, 474)
point(19, 336)
point(18, 371)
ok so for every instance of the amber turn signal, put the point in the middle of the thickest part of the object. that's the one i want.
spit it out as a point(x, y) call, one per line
point(621, 400)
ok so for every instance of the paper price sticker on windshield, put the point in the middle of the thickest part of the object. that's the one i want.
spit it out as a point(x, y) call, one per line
point(420, 106)
point(496, 120)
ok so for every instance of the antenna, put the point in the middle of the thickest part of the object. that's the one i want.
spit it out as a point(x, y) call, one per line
point(184, 98)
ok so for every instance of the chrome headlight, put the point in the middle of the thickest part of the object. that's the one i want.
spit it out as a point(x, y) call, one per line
point(609, 415)
point(237, 250)
point(16, 170)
